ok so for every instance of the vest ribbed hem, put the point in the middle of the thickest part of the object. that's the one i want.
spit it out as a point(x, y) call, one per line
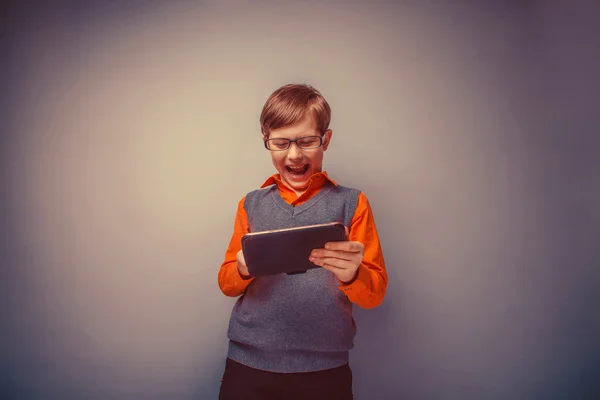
point(286, 361)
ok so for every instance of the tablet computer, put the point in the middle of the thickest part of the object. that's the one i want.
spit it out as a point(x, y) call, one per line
point(287, 250)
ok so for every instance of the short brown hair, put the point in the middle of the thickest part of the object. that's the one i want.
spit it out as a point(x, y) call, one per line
point(291, 104)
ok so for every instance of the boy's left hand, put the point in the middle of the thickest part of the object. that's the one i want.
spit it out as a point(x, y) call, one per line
point(341, 258)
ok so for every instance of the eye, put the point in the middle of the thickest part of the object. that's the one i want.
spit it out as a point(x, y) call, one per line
point(308, 141)
point(279, 143)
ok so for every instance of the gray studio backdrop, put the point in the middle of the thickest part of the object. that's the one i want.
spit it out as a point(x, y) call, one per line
point(133, 132)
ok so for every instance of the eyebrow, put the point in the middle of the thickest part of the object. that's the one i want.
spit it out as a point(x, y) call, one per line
point(296, 137)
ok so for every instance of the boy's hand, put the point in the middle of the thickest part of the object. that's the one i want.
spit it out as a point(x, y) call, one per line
point(241, 264)
point(341, 258)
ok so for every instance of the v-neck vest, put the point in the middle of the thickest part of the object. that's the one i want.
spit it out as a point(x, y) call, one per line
point(294, 323)
point(267, 210)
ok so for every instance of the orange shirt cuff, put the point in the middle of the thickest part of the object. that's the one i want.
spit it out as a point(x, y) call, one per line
point(360, 283)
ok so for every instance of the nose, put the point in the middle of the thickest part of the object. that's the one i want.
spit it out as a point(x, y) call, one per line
point(294, 152)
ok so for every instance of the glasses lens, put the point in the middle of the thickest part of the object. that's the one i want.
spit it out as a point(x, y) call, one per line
point(309, 142)
point(278, 144)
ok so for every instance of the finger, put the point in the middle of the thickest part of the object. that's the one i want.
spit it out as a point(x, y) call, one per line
point(335, 262)
point(353, 247)
point(343, 275)
point(332, 268)
point(321, 261)
point(342, 255)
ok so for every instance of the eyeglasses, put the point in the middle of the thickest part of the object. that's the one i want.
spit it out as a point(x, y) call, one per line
point(305, 142)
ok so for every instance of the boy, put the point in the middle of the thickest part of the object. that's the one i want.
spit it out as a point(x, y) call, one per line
point(290, 335)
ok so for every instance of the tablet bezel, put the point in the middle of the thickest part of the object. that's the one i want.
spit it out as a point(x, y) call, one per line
point(329, 232)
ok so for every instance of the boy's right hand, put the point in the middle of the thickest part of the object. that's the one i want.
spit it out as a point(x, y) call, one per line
point(241, 263)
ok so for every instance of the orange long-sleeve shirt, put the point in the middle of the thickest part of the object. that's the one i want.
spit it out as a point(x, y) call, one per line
point(369, 287)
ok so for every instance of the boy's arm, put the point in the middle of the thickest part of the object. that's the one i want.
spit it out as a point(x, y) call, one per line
point(230, 281)
point(368, 288)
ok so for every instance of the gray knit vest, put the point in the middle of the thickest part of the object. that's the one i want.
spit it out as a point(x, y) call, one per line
point(294, 323)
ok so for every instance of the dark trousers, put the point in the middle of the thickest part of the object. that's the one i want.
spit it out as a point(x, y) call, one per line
point(244, 383)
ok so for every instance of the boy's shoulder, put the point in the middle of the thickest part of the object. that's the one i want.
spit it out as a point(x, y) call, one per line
point(269, 188)
point(262, 190)
point(258, 194)
point(255, 194)
point(345, 188)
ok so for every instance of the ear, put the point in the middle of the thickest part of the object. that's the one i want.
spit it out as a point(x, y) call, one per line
point(327, 139)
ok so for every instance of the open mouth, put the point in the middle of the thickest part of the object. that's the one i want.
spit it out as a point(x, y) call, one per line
point(297, 171)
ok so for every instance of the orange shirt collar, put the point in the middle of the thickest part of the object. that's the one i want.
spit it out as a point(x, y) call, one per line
point(315, 179)
point(316, 182)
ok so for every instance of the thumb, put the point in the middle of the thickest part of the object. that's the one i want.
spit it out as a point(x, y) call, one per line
point(347, 231)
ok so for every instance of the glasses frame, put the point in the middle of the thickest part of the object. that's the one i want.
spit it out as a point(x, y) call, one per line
point(290, 141)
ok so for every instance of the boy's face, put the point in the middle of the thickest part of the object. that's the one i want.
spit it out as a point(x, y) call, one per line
point(305, 162)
